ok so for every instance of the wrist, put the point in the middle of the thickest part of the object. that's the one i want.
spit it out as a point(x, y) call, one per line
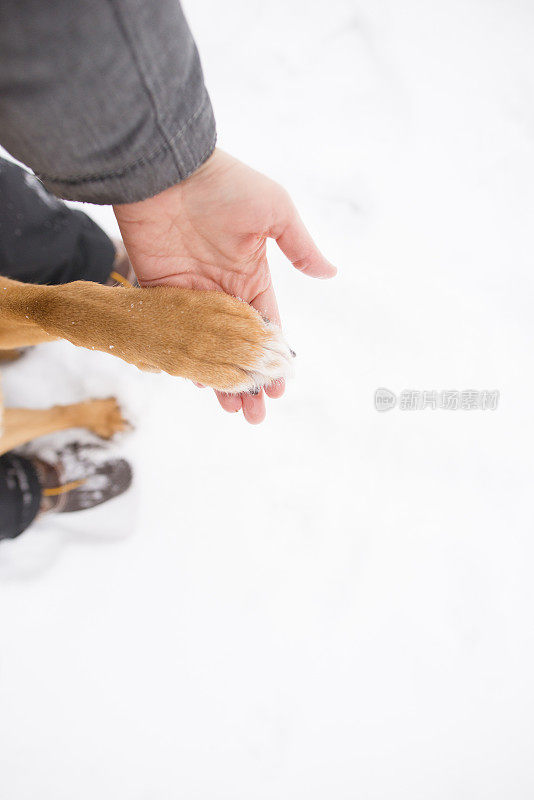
point(152, 206)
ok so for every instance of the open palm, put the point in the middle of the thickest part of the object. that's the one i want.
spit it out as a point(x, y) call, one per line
point(210, 232)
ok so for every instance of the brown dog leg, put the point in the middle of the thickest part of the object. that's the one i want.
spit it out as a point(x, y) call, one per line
point(21, 425)
point(208, 337)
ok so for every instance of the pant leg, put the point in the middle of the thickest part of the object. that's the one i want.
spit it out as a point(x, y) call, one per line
point(20, 495)
point(42, 240)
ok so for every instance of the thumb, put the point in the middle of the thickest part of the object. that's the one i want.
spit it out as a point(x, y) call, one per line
point(295, 242)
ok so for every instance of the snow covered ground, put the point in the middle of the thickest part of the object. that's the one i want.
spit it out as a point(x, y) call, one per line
point(340, 602)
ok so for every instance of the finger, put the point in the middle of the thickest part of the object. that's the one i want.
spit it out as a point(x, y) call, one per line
point(254, 408)
point(276, 389)
point(266, 304)
point(295, 242)
point(230, 402)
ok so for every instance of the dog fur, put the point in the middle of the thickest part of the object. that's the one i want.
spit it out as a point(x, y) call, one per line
point(208, 337)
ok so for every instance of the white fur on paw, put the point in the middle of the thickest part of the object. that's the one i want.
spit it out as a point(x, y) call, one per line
point(275, 363)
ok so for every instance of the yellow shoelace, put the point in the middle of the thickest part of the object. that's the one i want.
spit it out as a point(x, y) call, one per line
point(67, 487)
point(120, 279)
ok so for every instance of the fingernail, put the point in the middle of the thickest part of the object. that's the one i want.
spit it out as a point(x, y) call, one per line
point(254, 391)
point(292, 353)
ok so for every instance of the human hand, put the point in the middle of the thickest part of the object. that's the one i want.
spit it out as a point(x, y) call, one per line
point(210, 232)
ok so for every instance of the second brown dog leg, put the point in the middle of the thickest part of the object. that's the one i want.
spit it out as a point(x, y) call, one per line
point(21, 425)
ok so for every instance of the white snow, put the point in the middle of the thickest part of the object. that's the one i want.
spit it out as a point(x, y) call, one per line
point(338, 603)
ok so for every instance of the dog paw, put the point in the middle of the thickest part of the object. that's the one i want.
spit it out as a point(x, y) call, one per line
point(272, 362)
point(232, 348)
point(104, 417)
point(208, 337)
